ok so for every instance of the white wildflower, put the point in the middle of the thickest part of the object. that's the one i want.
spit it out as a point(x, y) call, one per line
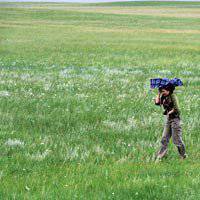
point(4, 94)
point(76, 154)
point(47, 86)
point(99, 150)
point(40, 156)
point(137, 72)
point(14, 143)
point(72, 153)
point(164, 72)
point(81, 96)
point(132, 122)
point(186, 72)
point(124, 81)
point(67, 72)
point(120, 125)
point(25, 76)
point(84, 155)
point(113, 71)
point(122, 160)
point(121, 96)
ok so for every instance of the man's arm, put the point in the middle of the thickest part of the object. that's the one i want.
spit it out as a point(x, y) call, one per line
point(176, 105)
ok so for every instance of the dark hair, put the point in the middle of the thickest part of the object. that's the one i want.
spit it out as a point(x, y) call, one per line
point(169, 87)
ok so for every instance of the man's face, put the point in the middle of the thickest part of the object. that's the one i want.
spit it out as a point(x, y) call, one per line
point(164, 92)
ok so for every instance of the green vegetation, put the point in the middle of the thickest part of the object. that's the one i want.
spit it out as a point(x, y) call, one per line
point(77, 116)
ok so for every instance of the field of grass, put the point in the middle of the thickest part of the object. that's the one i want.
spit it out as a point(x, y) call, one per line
point(77, 116)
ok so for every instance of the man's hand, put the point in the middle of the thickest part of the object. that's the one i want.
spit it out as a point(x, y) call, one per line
point(157, 99)
point(170, 112)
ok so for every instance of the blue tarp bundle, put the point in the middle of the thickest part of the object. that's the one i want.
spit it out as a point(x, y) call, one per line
point(160, 82)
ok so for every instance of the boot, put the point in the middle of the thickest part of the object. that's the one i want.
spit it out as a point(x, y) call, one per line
point(162, 152)
point(181, 150)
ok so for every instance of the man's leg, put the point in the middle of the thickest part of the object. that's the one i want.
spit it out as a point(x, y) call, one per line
point(177, 137)
point(165, 139)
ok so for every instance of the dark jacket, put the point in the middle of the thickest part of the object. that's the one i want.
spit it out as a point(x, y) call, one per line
point(170, 102)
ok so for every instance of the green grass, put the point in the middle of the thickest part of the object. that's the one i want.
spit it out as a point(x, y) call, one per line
point(149, 3)
point(77, 116)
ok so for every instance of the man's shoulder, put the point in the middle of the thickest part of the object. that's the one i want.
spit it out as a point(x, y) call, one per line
point(173, 96)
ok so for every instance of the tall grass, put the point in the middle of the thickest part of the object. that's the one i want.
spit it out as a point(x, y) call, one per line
point(77, 116)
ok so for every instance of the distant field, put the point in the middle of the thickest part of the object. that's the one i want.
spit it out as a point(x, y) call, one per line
point(77, 116)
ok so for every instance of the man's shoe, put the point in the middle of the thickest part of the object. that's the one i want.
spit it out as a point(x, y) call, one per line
point(183, 156)
point(162, 153)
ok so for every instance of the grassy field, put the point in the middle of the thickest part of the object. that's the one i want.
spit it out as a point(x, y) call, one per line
point(77, 116)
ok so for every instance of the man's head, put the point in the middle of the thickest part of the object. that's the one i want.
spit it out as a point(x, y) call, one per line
point(166, 90)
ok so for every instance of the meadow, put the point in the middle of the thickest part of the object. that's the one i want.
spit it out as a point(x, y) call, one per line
point(78, 119)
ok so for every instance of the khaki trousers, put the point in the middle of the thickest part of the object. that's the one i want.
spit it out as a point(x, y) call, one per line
point(172, 128)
